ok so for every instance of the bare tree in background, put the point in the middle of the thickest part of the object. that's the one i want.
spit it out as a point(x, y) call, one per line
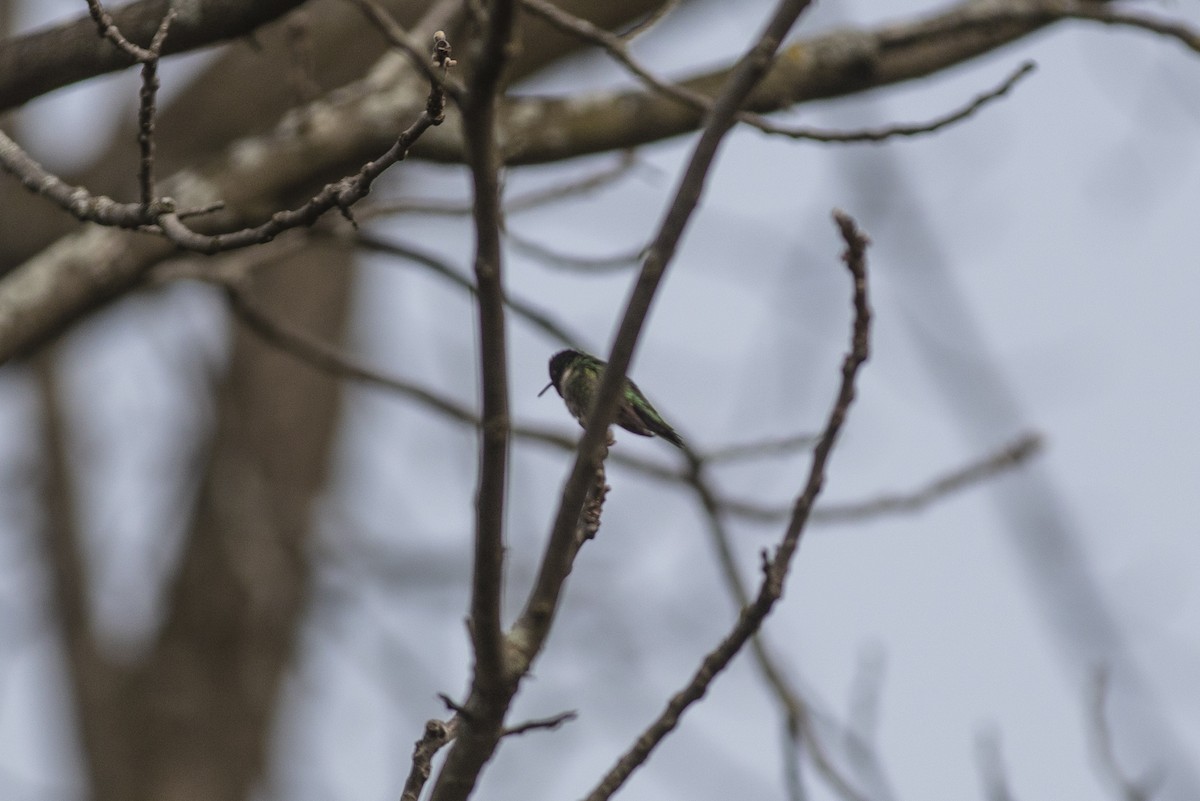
point(255, 179)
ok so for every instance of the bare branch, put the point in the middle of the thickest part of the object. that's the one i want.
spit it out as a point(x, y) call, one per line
point(493, 680)
point(64, 282)
point(148, 93)
point(1010, 456)
point(527, 311)
point(775, 568)
point(532, 628)
point(649, 21)
point(437, 734)
point(752, 450)
point(616, 47)
point(900, 129)
point(567, 261)
point(479, 117)
point(161, 215)
point(408, 44)
point(233, 278)
point(1015, 453)
point(109, 30)
point(550, 724)
point(799, 733)
point(519, 203)
point(832, 65)
point(42, 61)
point(1106, 14)
point(1123, 787)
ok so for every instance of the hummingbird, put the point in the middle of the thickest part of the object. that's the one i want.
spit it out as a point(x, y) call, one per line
point(576, 376)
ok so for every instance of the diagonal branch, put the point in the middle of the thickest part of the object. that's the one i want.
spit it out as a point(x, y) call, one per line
point(775, 569)
point(532, 628)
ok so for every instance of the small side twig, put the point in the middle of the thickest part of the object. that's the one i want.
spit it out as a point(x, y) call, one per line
point(527, 311)
point(540, 724)
point(568, 261)
point(108, 30)
point(898, 129)
point(434, 69)
point(234, 279)
point(1009, 456)
point(649, 21)
point(780, 446)
point(454, 706)
point(437, 734)
point(527, 201)
point(147, 95)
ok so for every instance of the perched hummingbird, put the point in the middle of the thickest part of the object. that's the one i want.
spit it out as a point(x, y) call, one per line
point(576, 376)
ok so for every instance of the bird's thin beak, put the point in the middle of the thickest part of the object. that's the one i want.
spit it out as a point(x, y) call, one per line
point(543, 392)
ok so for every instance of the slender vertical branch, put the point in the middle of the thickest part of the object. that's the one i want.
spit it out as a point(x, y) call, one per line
point(148, 110)
point(479, 119)
point(492, 684)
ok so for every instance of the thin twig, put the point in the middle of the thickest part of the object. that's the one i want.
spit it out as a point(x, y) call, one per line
point(1071, 9)
point(780, 446)
point(318, 354)
point(798, 731)
point(437, 734)
point(649, 21)
point(524, 202)
point(1011, 455)
point(898, 129)
point(161, 216)
point(775, 568)
point(434, 70)
point(148, 58)
point(541, 724)
point(108, 29)
point(1123, 787)
point(1008, 457)
point(568, 261)
point(617, 49)
point(148, 112)
point(527, 311)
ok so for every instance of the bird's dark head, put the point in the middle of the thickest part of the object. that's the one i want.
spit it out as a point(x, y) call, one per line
point(559, 363)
